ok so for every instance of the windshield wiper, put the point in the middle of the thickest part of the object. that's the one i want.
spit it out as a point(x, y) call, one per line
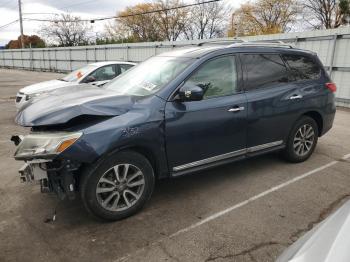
point(61, 79)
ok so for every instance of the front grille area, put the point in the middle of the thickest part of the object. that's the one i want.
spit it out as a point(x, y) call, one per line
point(18, 99)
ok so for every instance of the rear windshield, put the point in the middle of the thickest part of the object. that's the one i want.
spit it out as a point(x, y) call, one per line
point(302, 67)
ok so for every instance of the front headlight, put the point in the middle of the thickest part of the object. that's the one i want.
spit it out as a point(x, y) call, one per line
point(45, 144)
point(31, 96)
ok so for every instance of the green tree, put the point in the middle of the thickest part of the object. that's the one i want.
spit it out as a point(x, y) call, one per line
point(344, 6)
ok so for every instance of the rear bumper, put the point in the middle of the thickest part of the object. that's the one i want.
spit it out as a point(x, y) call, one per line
point(327, 123)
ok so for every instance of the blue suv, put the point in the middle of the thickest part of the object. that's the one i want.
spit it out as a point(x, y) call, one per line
point(176, 113)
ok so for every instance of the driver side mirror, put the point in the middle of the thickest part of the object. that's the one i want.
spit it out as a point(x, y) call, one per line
point(190, 92)
point(90, 79)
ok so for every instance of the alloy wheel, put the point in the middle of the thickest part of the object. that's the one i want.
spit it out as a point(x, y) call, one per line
point(120, 187)
point(304, 140)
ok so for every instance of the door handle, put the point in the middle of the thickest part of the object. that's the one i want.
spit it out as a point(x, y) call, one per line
point(295, 97)
point(236, 109)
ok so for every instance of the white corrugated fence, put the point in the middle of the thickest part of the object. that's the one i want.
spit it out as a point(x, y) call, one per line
point(332, 46)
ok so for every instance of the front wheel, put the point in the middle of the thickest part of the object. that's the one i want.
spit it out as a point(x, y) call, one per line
point(118, 187)
point(302, 140)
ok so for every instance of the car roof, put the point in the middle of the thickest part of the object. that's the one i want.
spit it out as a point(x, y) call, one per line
point(200, 51)
point(193, 51)
point(103, 63)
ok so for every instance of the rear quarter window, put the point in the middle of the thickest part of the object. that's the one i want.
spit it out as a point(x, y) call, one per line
point(125, 67)
point(302, 67)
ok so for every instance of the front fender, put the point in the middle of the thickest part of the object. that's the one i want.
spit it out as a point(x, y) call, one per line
point(138, 128)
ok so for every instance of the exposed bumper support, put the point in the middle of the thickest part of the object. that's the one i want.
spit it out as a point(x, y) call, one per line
point(33, 170)
point(53, 176)
point(26, 174)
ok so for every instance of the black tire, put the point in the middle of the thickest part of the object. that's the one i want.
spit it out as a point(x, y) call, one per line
point(91, 183)
point(291, 152)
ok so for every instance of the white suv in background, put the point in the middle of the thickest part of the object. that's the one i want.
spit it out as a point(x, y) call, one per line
point(96, 74)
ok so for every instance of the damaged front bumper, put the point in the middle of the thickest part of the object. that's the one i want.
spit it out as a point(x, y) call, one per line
point(34, 171)
point(53, 173)
point(56, 176)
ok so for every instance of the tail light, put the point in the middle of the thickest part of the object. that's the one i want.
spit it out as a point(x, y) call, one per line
point(332, 87)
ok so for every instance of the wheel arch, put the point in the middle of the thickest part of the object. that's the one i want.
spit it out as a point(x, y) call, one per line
point(157, 159)
point(147, 153)
point(318, 119)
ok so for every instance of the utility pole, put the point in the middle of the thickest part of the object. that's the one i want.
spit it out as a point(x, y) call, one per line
point(232, 29)
point(21, 22)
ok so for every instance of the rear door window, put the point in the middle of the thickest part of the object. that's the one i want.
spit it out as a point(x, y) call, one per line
point(263, 70)
point(302, 67)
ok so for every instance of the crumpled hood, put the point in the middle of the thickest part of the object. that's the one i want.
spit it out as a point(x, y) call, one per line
point(60, 106)
point(45, 86)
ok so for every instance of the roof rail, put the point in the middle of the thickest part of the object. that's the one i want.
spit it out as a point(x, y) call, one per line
point(259, 43)
point(221, 42)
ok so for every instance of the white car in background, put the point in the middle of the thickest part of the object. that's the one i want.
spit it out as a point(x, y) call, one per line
point(329, 241)
point(96, 74)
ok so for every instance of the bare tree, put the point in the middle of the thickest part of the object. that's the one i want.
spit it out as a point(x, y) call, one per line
point(172, 23)
point(325, 13)
point(207, 20)
point(161, 20)
point(67, 30)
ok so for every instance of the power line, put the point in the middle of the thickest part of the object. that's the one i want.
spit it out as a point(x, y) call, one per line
point(6, 25)
point(10, 23)
point(40, 13)
point(124, 16)
point(111, 17)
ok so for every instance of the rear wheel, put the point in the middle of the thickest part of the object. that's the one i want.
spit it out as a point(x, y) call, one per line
point(119, 186)
point(302, 140)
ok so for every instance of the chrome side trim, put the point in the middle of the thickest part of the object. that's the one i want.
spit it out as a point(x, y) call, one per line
point(227, 155)
point(264, 146)
point(210, 159)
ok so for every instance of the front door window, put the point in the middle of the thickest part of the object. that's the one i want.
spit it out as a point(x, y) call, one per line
point(104, 73)
point(217, 77)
